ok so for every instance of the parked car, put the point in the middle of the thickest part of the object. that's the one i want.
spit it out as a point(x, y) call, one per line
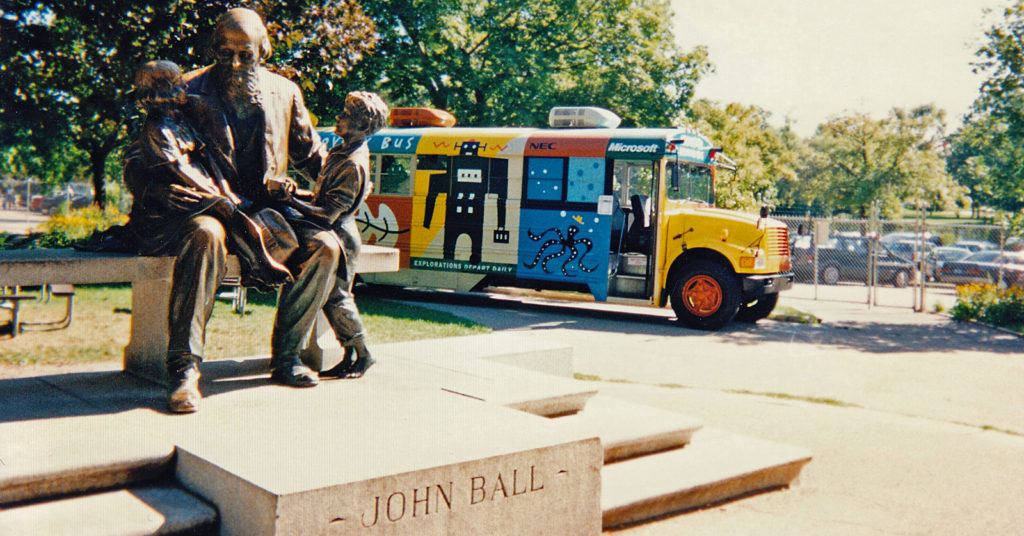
point(984, 267)
point(911, 250)
point(975, 245)
point(942, 255)
point(845, 258)
point(912, 237)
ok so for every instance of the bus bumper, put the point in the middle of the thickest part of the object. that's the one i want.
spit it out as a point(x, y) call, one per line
point(759, 285)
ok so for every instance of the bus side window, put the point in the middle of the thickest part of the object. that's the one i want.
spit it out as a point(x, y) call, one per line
point(395, 175)
point(544, 179)
point(586, 179)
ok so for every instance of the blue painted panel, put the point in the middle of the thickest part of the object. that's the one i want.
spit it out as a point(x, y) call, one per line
point(544, 189)
point(392, 144)
point(564, 245)
point(586, 179)
point(545, 168)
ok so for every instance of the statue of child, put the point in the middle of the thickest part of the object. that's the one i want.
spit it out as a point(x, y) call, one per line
point(342, 185)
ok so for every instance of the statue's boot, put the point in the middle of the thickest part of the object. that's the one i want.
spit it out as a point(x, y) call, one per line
point(341, 369)
point(183, 383)
point(349, 368)
point(290, 371)
point(363, 362)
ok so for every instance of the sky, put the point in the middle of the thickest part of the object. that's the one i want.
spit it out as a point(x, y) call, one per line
point(810, 60)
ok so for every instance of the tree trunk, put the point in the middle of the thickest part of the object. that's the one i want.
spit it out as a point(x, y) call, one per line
point(97, 165)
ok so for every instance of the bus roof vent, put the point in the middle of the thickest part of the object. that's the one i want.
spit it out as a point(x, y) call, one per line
point(582, 117)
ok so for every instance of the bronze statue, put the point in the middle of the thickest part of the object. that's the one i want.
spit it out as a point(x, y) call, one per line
point(174, 161)
point(343, 183)
point(256, 126)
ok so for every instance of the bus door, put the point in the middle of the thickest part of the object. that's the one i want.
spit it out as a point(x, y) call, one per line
point(637, 199)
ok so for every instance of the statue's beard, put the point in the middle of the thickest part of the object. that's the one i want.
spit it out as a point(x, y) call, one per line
point(240, 89)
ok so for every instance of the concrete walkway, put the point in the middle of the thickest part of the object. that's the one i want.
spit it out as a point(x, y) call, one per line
point(916, 422)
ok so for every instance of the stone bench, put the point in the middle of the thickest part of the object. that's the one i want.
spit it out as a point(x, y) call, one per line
point(150, 278)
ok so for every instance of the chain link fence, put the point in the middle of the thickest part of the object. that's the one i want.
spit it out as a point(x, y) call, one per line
point(900, 263)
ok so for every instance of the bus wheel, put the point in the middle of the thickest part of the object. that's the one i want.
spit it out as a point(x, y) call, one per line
point(706, 295)
point(752, 312)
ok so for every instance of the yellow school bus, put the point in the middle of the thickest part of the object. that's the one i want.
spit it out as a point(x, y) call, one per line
point(625, 214)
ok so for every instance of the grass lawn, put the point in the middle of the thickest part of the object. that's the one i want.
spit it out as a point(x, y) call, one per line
point(102, 317)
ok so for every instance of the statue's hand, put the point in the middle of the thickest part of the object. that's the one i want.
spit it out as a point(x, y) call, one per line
point(281, 188)
point(183, 198)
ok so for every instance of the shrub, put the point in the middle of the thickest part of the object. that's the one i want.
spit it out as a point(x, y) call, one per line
point(1008, 309)
point(972, 301)
point(69, 227)
point(986, 303)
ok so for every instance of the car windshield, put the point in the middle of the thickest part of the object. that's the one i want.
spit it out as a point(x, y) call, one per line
point(951, 254)
point(983, 256)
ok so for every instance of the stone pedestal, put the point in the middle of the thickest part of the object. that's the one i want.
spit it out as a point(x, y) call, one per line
point(421, 463)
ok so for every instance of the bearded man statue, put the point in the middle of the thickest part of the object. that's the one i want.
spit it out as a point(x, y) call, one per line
point(256, 125)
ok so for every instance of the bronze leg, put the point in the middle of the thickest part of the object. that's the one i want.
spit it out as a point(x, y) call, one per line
point(198, 271)
point(314, 266)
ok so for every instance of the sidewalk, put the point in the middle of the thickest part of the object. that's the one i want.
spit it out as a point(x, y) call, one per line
point(20, 221)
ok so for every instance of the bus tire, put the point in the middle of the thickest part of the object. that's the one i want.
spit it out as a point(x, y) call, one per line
point(705, 295)
point(754, 311)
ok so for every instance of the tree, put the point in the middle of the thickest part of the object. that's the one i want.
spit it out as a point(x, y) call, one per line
point(766, 157)
point(68, 66)
point(896, 160)
point(988, 150)
point(507, 62)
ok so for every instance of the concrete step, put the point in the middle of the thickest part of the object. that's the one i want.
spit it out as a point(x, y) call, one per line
point(518, 388)
point(716, 466)
point(510, 370)
point(628, 430)
point(72, 476)
point(147, 510)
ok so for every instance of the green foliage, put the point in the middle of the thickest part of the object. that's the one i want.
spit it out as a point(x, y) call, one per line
point(507, 62)
point(77, 224)
point(68, 227)
point(988, 151)
point(68, 66)
point(895, 160)
point(986, 303)
point(52, 164)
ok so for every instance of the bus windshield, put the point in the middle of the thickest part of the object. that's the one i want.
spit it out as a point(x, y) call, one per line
point(691, 182)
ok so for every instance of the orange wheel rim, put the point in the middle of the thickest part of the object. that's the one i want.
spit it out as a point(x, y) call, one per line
point(702, 295)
